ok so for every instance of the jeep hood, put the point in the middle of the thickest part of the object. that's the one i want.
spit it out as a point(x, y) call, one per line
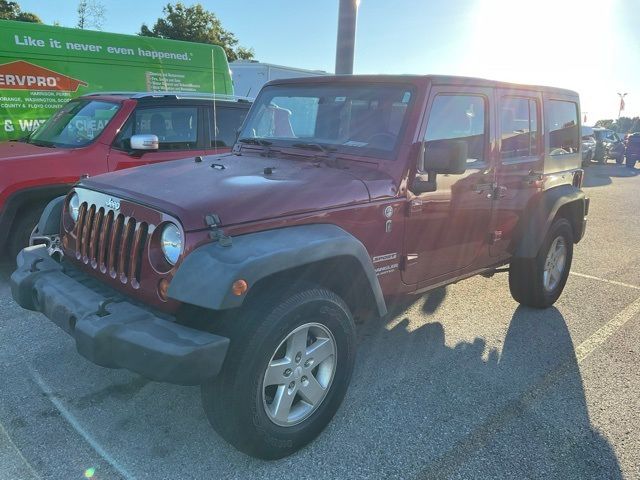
point(236, 188)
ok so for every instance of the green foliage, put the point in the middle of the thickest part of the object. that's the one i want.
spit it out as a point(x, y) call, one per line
point(195, 24)
point(608, 123)
point(11, 11)
point(90, 14)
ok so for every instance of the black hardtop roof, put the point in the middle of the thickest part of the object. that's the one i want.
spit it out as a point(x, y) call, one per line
point(415, 79)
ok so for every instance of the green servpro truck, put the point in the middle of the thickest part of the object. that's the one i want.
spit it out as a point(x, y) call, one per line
point(42, 67)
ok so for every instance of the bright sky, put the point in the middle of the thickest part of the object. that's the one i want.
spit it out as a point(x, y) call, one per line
point(592, 46)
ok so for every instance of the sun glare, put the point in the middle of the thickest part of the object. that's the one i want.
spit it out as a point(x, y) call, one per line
point(549, 42)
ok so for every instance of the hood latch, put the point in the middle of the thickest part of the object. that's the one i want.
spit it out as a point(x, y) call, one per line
point(213, 222)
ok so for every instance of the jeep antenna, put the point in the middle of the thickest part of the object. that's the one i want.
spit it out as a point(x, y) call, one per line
point(215, 116)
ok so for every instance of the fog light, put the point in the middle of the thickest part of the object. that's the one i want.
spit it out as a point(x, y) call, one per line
point(163, 289)
point(239, 287)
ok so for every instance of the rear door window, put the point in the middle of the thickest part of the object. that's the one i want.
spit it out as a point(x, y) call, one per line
point(519, 127)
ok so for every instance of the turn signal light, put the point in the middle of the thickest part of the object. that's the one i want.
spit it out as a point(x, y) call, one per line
point(163, 289)
point(239, 287)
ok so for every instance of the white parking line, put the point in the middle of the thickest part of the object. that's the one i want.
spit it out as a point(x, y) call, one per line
point(601, 335)
point(68, 416)
point(5, 434)
point(446, 465)
point(610, 282)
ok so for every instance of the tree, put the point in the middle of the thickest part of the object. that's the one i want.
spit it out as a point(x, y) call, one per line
point(90, 14)
point(608, 123)
point(11, 11)
point(195, 24)
point(622, 126)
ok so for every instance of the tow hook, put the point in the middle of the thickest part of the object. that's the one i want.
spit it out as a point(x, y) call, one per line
point(52, 242)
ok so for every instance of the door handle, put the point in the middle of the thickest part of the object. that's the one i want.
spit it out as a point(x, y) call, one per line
point(492, 190)
point(481, 188)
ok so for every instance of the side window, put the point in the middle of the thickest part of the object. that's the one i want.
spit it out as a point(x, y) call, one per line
point(175, 127)
point(564, 135)
point(455, 118)
point(223, 127)
point(518, 127)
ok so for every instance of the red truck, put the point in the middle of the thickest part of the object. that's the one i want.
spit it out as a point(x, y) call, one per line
point(101, 133)
point(243, 272)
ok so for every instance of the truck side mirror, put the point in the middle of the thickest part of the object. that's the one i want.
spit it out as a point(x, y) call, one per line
point(144, 142)
point(446, 156)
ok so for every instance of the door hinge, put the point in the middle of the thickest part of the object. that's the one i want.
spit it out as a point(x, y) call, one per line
point(495, 237)
point(408, 261)
point(413, 206)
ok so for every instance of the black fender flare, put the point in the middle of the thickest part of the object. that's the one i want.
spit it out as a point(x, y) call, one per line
point(205, 276)
point(541, 215)
point(49, 223)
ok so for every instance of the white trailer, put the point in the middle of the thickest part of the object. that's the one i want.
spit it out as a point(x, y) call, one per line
point(249, 76)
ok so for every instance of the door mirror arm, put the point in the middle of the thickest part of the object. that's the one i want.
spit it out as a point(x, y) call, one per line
point(424, 181)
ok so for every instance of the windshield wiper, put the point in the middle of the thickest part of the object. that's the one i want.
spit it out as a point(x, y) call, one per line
point(329, 157)
point(315, 146)
point(255, 141)
point(41, 143)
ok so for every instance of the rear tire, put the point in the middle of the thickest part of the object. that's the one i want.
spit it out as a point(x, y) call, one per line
point(24, 223)
point(242, 407)
point(533, 281)
point(620, 159)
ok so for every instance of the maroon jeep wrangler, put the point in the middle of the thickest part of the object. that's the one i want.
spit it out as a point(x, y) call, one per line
point(243, 272)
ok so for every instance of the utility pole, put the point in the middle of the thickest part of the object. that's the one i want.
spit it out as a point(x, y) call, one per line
point(347, 16)
point(621, 95)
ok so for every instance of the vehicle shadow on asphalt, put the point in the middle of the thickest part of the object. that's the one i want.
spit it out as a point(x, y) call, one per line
point(470, 412)
point(601, 175)
point(418, 406)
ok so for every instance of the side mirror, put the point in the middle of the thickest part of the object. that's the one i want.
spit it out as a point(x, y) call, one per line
point(445, 156)
point(144, 142)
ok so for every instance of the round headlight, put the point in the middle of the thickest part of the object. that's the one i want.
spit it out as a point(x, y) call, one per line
point(74, 207)
point(171, 243)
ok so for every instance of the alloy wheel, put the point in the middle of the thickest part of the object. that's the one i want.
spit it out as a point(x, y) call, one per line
point(299, 374)
point(554, 264)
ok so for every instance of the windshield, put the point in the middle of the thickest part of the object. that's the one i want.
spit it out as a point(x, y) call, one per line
point(601, 134)
point(362, 119)
point(76, 124)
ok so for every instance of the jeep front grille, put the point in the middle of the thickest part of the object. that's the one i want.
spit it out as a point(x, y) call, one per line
point(111, 243)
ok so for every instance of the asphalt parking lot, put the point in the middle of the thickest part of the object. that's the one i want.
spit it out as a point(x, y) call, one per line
point(462, 383)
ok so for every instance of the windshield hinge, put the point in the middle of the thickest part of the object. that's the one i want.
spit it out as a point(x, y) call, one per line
point(213, 222)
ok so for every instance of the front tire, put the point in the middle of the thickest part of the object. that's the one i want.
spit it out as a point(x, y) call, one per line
point(23, 225)
point(538, 282)
point(286, 373)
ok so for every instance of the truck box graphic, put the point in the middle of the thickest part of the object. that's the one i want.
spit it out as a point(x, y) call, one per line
point(21, 75)
point(43, 67)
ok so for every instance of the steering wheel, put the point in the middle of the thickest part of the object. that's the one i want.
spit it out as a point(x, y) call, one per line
point(382, 136)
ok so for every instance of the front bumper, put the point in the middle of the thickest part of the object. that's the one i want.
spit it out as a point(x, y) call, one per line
point(111, 331)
